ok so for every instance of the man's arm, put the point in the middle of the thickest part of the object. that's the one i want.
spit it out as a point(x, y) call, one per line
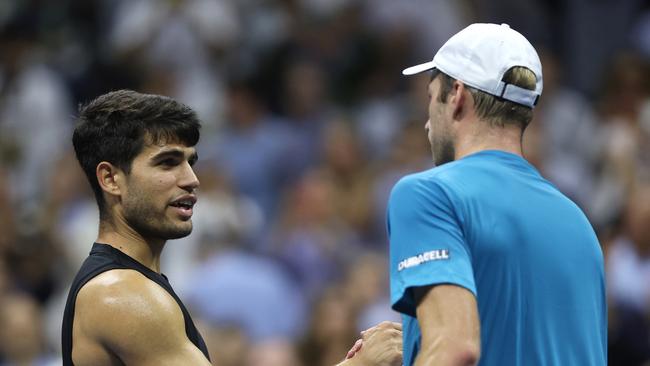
point(450, 326)
point(380, 345)
point(136, 320)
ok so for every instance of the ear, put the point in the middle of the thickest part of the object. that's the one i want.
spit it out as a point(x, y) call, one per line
point(110, 178)
point(458, 99)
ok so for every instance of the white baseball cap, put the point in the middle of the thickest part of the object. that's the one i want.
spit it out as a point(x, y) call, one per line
point(480, 55)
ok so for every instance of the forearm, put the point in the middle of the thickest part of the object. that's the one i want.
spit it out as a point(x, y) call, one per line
point(447, 352)
point(449, 321)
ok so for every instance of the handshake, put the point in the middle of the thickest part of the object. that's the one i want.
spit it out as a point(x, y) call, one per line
point(380, 345)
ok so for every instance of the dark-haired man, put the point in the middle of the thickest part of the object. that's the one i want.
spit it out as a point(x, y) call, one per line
point(490, 263)
point(137, 151)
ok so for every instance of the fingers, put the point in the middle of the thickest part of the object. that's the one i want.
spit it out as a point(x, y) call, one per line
point(388, 325)
point(383, 326)
point(355, 348)
point(382, 345)
point(392, 325)
point(397, 326)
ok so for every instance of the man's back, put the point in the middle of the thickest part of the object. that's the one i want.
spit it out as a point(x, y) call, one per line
point(527, 253)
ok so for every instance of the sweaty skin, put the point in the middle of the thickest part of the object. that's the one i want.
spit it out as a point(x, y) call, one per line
point(121, 317)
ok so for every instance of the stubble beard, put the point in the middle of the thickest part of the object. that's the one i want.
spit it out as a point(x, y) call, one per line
point(146, 220)
point(443, 152)
point(442, 148)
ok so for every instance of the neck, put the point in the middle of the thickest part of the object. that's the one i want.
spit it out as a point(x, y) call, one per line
point(506, 139)
point(125, 239)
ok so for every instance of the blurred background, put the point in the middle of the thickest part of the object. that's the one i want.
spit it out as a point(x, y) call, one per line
point(307, 125)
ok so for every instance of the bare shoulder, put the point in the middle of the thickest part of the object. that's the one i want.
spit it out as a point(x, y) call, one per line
point(128, 313)
point(121, 298)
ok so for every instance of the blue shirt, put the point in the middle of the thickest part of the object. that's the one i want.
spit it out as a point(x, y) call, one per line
point(492, 224)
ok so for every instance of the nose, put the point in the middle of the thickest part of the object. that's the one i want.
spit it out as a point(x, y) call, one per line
point(189, 181)
point(427, 125)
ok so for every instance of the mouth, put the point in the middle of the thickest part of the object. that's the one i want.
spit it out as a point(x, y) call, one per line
point(184, 206)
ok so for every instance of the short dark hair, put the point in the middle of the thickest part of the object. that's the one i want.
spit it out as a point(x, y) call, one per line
point(497, 111)
point(115, 127)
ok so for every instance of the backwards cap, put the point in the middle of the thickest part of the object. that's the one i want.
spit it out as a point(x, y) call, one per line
point(481, 54)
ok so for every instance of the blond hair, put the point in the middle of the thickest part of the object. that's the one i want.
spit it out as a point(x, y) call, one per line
point(498, 111)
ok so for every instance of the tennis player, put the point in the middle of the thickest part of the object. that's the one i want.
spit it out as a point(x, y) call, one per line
point(137, 151)
point(489, 263)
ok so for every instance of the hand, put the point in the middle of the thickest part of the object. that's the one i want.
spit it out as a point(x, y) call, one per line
point(355, 348)
point(380, 345)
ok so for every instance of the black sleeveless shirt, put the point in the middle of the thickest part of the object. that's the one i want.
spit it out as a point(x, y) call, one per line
point(103, 258)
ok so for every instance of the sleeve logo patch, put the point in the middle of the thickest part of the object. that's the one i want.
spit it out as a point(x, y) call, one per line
point(434, 255)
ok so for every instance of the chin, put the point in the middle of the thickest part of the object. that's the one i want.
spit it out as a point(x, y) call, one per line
point(177, 232)
point(183, 233)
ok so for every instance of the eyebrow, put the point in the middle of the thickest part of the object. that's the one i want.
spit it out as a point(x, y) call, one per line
point(174, 153)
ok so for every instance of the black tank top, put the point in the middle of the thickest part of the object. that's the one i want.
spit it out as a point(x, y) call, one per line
point(103, 258)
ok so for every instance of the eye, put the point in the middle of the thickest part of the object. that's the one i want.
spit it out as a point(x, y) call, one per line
point(169, 162)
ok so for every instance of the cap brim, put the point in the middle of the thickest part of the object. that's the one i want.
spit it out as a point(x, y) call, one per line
point(419, 68)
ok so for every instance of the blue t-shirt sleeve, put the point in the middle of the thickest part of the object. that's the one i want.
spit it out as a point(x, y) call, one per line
point(427, 245)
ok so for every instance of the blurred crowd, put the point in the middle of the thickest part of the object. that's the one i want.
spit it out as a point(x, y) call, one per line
point(307, 124)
